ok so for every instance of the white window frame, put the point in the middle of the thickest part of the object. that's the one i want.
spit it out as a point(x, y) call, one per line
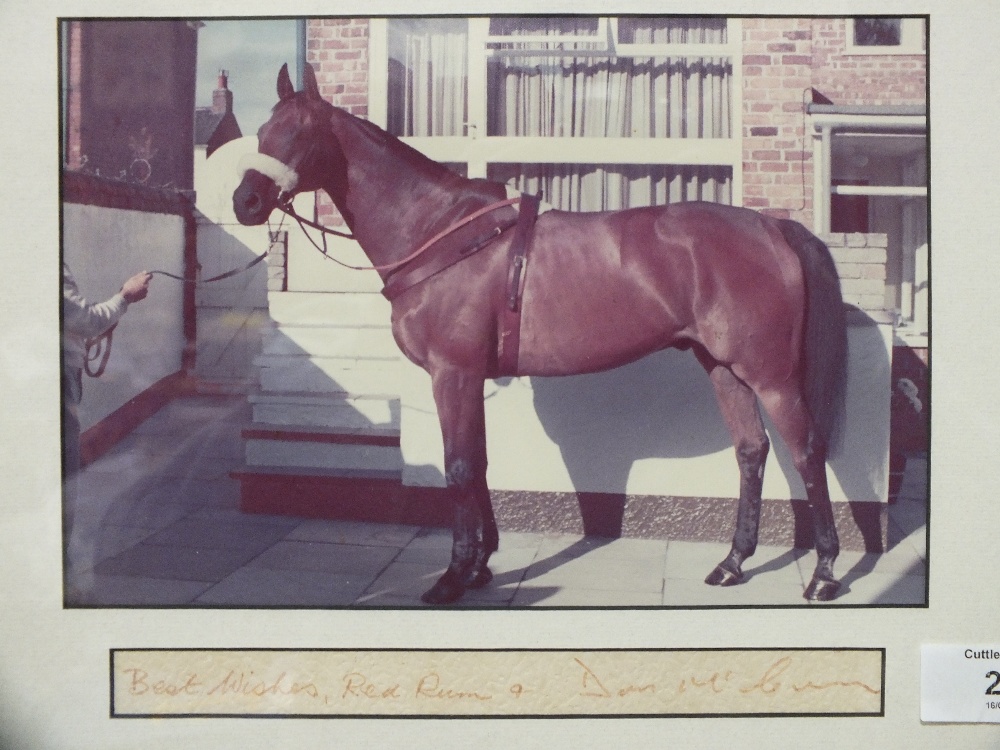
point(479, 150)
point(546, 42)
point(911, 40)
point(913, 296)
point(823, 126)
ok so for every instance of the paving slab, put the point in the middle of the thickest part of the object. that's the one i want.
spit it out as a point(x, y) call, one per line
point(267, 587)
point(354, 532)
point(325, 557)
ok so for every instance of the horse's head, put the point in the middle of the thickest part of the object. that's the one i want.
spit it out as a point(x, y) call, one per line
point(296, 151)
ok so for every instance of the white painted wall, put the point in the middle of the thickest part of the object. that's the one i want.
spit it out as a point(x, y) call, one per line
point(652, 427)
point(103, 247)
point(232, 313)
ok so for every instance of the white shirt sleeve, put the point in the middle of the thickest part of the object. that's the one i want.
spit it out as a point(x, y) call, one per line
point(86, 320)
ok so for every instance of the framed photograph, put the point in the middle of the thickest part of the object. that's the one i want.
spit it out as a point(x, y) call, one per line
point(530, 372)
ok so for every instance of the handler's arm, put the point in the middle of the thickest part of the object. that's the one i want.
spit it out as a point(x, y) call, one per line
point(89, 320)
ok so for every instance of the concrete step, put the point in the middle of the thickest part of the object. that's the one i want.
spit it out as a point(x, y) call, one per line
point(298, 449)
point(330, 410)
point(329, 309)
point(325, 341)
point(364, 377)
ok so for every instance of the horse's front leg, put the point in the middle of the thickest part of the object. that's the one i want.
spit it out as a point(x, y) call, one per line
point(458, 395)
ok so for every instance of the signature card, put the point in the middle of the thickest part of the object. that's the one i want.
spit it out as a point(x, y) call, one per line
point(507, 683)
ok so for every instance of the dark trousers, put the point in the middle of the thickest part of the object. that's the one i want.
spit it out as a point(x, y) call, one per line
point(72, 394)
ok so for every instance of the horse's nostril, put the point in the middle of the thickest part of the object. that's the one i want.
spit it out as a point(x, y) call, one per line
point(253, 202)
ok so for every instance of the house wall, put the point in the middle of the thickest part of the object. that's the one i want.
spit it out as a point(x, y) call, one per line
point(784, 61)
point(863, 79)
point(777, 166)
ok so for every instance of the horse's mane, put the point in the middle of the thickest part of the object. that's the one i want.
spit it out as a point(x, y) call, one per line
point(386, 141)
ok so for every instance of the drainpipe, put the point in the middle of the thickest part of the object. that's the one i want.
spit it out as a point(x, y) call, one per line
point(300, 50)
point(825, 173)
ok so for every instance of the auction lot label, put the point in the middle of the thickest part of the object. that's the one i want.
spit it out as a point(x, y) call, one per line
point(497, 683)
point(960, 683)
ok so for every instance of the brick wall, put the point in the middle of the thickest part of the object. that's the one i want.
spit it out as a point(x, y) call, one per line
point(861, 261)
point(777, 71)
point(277, 262)
point(337, 48)
point(74, 151)
point(784, 59)
point(863, 79)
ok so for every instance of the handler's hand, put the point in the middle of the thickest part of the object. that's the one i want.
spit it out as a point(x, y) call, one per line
point(137, 287)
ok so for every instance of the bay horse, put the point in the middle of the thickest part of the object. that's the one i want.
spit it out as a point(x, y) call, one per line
point(755, 298)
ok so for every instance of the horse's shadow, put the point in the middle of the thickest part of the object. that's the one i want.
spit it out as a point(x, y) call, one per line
point(603, 423)
point(538, 594)
point(664, 407)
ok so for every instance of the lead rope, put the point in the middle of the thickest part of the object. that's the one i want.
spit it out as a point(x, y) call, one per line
point(98, 348)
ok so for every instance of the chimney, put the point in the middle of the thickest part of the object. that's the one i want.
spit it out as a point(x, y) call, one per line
point(222, 97)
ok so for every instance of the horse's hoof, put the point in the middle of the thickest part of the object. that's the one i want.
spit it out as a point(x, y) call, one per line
point(449, 588)
point(822, 590)
point(478, 577)
point(724, 577)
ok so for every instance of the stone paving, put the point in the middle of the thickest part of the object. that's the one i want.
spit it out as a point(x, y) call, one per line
point(158, 524)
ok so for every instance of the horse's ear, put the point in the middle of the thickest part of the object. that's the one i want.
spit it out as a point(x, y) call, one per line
point(309, 81)
point(285, 87)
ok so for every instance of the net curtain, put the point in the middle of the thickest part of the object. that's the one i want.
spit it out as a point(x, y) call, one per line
point(573, 96)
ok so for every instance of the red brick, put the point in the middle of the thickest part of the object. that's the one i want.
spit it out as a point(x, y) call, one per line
point(765, 35)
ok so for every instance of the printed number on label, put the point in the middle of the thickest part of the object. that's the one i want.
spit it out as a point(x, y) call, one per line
point(993, 689)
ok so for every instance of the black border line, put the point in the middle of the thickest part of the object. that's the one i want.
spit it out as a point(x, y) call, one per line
point(479, 717)
point(926, 17)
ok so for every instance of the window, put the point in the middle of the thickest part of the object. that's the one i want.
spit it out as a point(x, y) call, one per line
point(872, 177)
point(593, 113)
point(878, 35)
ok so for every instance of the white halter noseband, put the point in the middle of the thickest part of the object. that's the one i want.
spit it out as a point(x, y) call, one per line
point(283, 176)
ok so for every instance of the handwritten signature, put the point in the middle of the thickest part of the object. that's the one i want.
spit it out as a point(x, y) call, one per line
point(769, 683)
point(433, 686)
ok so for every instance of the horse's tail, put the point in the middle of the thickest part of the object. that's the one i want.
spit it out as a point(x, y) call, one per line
point(825, 342)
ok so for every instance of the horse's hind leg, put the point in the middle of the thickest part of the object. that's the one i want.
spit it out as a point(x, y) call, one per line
point(739, 410)
point(793, 422)
point(459, 398)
